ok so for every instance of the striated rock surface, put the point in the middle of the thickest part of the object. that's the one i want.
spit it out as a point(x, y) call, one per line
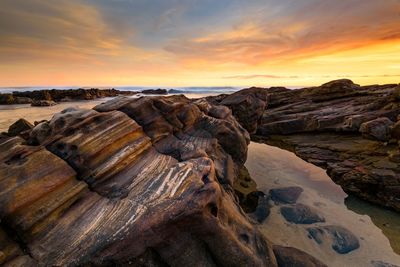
point(350, 130)
point(142, 182)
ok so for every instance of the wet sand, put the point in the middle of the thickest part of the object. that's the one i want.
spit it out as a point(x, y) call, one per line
point(10, 113)
point(272, 167)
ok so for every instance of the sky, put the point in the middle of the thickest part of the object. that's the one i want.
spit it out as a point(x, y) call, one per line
point(172, 43)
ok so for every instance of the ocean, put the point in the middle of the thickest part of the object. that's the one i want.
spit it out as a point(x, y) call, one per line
point(172, 90)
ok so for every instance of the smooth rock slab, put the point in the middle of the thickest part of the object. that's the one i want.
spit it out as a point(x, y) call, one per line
point(342, 240)
point(286, 195)
point(301, 214)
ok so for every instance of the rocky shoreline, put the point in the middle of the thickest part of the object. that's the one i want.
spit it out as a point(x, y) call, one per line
point(53, 96)
point(157, 181)
point(351, 131)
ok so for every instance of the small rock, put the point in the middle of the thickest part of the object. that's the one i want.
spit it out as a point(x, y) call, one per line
point(287, 195)
point(343, 241)
point(293, 257)
point(379, 129)
point(301, 214)
point(19, 127)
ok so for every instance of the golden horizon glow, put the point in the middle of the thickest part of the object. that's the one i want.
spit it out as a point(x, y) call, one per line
point(198, 43)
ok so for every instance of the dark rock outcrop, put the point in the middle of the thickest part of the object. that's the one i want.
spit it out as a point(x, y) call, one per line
point(155, 92)
point(39, 96)
point(21, 126)
point(136, 181)
point(292, 257)
point(350, 130)
point(43, 103)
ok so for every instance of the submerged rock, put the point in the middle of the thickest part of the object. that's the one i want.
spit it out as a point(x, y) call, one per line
point(292, 257)
point(342, 240)
point(286, 195)
point(301, 214)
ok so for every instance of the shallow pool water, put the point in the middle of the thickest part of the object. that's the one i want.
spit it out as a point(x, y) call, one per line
point(273, 167)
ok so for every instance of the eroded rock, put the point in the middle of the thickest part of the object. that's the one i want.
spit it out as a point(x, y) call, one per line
point(121, 185)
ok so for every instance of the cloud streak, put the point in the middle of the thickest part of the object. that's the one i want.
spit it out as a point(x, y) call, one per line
point(197, 42)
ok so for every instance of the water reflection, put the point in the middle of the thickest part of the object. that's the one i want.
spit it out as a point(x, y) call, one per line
point(387, 220)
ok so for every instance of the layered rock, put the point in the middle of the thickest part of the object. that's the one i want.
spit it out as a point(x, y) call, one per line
point(350, 130)
point(143, 182)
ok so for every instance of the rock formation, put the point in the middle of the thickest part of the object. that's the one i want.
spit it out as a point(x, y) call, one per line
point(350, 130)
point(142, 182)
point(41, 96)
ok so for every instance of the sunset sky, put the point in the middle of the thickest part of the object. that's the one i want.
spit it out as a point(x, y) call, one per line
point(170, 43)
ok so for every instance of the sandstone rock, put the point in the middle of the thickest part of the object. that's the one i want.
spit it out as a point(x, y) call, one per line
point(110, 188)
point(292, 257)
point(379, 129)
point(286, 195)
point(179, 127)
point(341, 239)
point(301, 214)
point(19, 127)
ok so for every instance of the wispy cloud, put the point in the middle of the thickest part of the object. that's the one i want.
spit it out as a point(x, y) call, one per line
point(269, 76)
